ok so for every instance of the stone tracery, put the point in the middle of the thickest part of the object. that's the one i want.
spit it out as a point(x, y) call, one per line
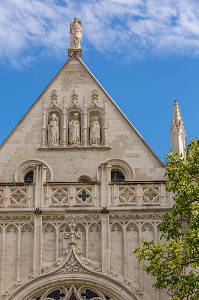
point(73, 293)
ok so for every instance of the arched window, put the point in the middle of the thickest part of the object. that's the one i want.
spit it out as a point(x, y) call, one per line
point(29, 177)
point(117, 176)
point(84, 178)
point(78, 294)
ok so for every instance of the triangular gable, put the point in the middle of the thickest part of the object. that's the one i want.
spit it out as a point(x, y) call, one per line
point(74, 57)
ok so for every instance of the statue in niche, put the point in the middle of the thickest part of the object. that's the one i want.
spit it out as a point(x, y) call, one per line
point(95, 132)
point(75, 34)
point(74, 130)
point(53, 131)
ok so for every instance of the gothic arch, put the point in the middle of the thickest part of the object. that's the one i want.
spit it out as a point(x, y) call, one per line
point(49, 247)
point(132, 225)
point(11, 227)
point(27, 227)
point(81, 242)
point(117, 247)
point(148, 231)
point(94, 224)
point(117, 226)
point(103, 284)
point(148, 224)
point(95, 241)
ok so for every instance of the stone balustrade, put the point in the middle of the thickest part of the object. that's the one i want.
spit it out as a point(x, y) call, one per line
point(120, 194)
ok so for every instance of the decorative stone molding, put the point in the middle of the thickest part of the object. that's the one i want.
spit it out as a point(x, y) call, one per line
point(74, 97)
point(61, 217)
point(123, 166)
point(116, 165)
point(28, 165)
point(15, 217)
point(138, 216)
point(77, 270)
point(54, 97)
point(72, 265)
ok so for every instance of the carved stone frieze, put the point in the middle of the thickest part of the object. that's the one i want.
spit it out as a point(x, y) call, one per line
point(61, 217)
point(9, 217)
point(148, 216)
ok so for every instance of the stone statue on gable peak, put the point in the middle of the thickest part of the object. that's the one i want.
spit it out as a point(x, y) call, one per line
point(75, 34)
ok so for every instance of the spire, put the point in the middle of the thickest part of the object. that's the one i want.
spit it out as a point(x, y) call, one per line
point(75, 38)
point(177, 133)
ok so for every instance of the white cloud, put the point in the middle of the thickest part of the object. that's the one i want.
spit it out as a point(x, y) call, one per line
point(131, 27)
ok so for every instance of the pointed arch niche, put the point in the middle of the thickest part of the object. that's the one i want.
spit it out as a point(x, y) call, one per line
point(54, 127)
point(11, 254)
point(74, 126)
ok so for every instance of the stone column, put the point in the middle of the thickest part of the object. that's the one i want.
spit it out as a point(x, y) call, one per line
point(44, 128)
point(64, 142)
point(105, 127)
point(84, 127)
point(105, 219)
point(3, 262)
point(104, 185)
point(105, 244)
point(39, 180)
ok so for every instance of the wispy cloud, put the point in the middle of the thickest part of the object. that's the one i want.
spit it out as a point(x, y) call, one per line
point(134, 27)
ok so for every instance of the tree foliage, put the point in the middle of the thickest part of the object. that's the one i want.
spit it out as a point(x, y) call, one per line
point(175, 261)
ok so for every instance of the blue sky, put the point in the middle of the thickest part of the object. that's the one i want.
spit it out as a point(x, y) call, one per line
point(144, 53)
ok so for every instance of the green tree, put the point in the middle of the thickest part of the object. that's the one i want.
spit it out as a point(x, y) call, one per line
point(175, 261)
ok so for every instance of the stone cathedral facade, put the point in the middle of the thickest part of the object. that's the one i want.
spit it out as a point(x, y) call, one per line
point(79, 189)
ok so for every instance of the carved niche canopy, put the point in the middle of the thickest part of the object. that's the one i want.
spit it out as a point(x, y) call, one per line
point(75, 125)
